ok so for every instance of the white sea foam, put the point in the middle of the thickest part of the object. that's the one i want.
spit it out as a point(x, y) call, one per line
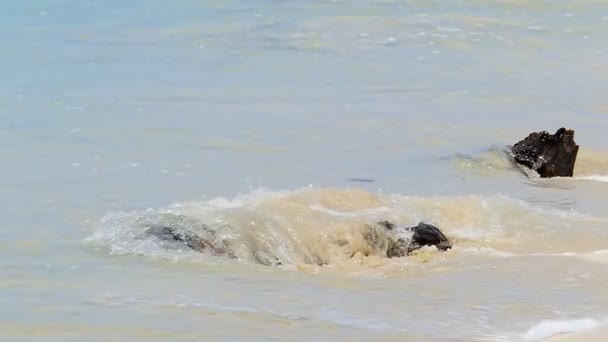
point(487, 251)
point(550, 328)
point(596, 178)
point(598, 256)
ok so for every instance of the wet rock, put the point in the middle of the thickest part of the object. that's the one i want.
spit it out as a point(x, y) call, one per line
point(428, 235)
point(266, 259)
point(398, 248)
point(405, 240)
point(186, 238)
point(551, 155)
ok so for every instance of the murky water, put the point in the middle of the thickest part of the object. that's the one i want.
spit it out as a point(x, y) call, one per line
point(289, 128)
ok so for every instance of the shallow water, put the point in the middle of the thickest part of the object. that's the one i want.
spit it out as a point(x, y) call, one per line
point(296, 124)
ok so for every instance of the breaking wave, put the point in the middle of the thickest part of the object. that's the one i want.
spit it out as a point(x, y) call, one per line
point(319, 226)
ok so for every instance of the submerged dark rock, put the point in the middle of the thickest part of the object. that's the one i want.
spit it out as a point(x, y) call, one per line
point(551, 155)
point(186, 238)
point(179, 231)
point(417, 237)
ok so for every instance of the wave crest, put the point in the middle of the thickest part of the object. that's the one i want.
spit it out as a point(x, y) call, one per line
point(326, 226)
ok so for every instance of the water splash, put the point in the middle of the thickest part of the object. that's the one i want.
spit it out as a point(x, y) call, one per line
point(317, 226)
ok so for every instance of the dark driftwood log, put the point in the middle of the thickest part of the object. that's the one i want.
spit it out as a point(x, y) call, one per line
point(551, 155)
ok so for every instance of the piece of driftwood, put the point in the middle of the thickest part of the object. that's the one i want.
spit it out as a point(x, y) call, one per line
point(550, 155)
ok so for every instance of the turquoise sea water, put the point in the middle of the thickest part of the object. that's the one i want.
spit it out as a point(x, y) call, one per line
point(271, 110)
